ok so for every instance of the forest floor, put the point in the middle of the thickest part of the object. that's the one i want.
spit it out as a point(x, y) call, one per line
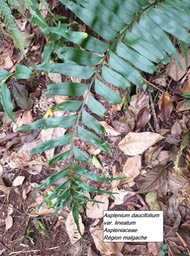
point(156, 120)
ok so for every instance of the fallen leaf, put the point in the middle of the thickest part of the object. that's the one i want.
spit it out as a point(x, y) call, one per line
point(186, 225)
point(96, 210)
point(115, 174)
point(128, 118)
point(2, 252)
point(153, 249)
point(131, 169)
point(121, 126)
point(21, 96)
point(25, 119)
point(154, 179)
point(143, 117)
point(25, 191)
point(10, 209)
point(91, 252)
point(165, 106)
point(110, 130)
point(18, 181)
point(161, 81)
point(173, 139)
point(1, 170)
point(71, 228)
point(152, 200)
point(5, 58)
point(186, 86)
point(35, 169)
point(182, 106)
point(8, 222)
point(97, 163)
point(3, 188)
point(163, 157)
point(103, 247)
point(26, 38)
point(120, 195)
point(139, 102)
point(49, 134)
point(75, 249)
point(55, 77)
point(175, 71)
point(185, 235)
point(136, 143)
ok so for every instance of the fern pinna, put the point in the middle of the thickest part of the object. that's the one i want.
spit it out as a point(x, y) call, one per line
point(134, 39)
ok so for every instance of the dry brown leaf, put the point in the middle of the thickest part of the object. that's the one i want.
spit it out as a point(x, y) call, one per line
point(75, 249)
point(153, 249)
point(182, 106)
point(176, 128)
point(161, 81)
point(185, 235)
point(143, 117)
point(18, 181)
point(60, 98)
point(165, 107)
point(55, 77)
point(138, 102)
point(120, 195)
point(186, 86)
point(26, 190)
point(110, 130)
point(49, 134)
point(3, 188)
point(22, 158)
point(96, 210)
point(174, 71)
point(163, 157)
point(186, 225)
point(154, 179)
point(121, 127)
point(136, 143)
point(103, 247)
point(71, 228)
point(91, 252)
point(115, 174)
point(35, 169)
point(152, 200)
point(1, 170)
point(2, 252)
point(131, 169)
point(5, 58)
point(8, 222)
point(128, 118)
point(25, 119)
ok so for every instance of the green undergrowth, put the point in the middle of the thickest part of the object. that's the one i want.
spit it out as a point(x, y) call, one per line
point(132, 37)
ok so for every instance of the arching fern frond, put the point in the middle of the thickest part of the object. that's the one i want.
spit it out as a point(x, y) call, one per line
point(135, 40)
point(6, 15)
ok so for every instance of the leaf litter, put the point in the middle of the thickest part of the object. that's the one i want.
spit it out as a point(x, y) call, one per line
point(154, 177)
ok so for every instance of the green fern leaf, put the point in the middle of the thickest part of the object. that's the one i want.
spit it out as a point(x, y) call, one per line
point(135, 37)
point(6, 15)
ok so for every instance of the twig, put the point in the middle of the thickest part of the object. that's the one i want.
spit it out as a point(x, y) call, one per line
point(169, 250)
point(34, 251)
point(154, 113)
point(153, 85)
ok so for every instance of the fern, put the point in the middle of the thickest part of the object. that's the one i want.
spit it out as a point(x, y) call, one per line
point(135, 39)
point(6, 15)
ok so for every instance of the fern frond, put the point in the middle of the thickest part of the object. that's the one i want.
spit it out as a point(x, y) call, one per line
point(136, 39)
point(14, 4)
point(6, 15)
